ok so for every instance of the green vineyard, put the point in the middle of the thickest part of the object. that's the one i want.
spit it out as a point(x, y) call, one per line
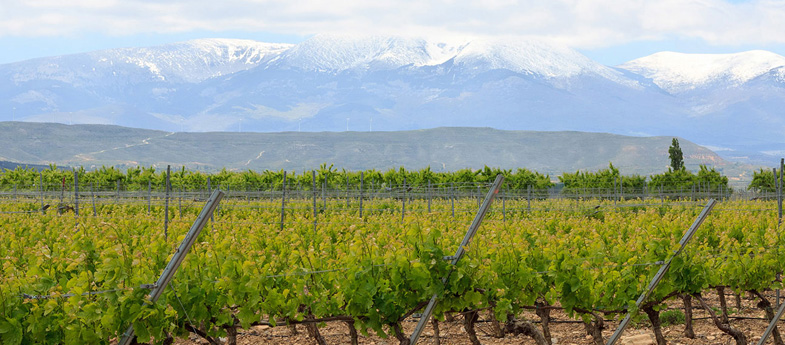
point(370, 262)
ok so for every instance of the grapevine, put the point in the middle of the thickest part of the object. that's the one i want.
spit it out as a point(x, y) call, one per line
point(80, 282)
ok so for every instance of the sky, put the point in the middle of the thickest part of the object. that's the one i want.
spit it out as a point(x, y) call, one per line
point(608, 31)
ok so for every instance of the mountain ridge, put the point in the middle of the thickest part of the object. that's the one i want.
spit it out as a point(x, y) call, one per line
point(678, 72)
point(336, 83)
point(443, 149)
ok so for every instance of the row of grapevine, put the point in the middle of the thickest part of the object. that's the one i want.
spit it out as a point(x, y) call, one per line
point(707, 179)
point(139, 178)
point(84, 283)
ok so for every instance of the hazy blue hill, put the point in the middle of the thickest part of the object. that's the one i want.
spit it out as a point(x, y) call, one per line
point(440, 148)
point(14, 165)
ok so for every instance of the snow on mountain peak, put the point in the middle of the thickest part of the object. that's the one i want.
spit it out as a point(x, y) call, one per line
point(196, 60)
point(530, 57)
point(678, 72)
point(337, 53)
point(233, 49)
point(190, 61)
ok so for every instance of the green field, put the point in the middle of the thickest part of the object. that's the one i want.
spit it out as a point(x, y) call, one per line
point(79, 279)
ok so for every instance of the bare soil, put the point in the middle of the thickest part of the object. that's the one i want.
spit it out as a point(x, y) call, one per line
point(564, 330)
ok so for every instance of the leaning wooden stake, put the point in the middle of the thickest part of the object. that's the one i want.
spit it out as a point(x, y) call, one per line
point(772, 324)
point(426, 315)
point(664, 269)
point(179, 256)
point(766, 306)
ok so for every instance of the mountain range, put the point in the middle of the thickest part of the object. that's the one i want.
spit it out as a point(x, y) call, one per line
point(731, 103)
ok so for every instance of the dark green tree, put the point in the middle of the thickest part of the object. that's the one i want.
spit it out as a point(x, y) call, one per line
point(676, 156)
point(763, 181)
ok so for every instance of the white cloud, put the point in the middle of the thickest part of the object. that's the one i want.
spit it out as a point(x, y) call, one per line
point(578, 23)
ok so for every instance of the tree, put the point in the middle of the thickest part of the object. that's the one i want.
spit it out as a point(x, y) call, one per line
point(676, 156)
point(680, 181)
point(763, 181)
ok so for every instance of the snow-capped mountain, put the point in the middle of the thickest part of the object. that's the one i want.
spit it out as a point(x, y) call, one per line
point(361, 54)
point(533, 58)
point(362, 83)
point(334, 53)
point(738, 96)
point(191, 61)
point(677, 72)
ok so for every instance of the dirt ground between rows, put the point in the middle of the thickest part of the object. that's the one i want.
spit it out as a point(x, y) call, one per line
point(563, 333)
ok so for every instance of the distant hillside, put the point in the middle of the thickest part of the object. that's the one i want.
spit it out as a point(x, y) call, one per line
point(13, 165)
point(443, 149)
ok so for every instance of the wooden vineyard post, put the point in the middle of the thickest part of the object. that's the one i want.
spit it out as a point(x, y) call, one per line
point(426, 315)
point(692, 198)
point(664, 269)
point(210, 190)
point(615, 194)
point(272, 191)
point(76, 193)
point(92, 196)
point(62, 191)
point(479, 195)
point(283, 200)
point(403, 200)
point(779, 192)
point(179, 256)
point(313, 192)
point(149, 195)
point(776, 187)
point(529, 199)
point(452, 198)
point(504, 210)
point(779, 213)
point(166, 204)
point(361, 193)
point(429, 196)
point(117, 193)
point(41, 187)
